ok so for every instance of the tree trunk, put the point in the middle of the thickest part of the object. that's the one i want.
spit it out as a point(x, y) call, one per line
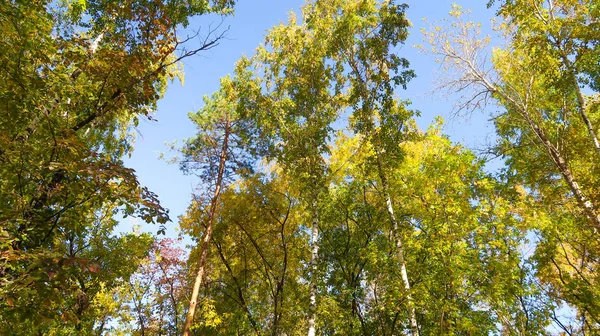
point(559, 161)
point(557, 158)
point(589, 209)
point(414, 326)
point(312, 308)
point(206, 241)
point(584, 117)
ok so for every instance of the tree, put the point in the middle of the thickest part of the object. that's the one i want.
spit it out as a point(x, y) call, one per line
point(257, 258)
point(462, 231)
point(74, 279)
point(546, 127)
point(221, 150)
point(364, 38)
point(76, 78)
point(295, 111)
point(155, 293)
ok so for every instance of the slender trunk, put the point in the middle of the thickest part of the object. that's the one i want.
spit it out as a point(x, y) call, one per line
point(137, 303)
point(239, 292)
point(586, 120)
point(313, 269)
point(101, 327)
point(278, 298)
point(161, 319)
point(209, 227)
point(414, 326)
point(558, 159)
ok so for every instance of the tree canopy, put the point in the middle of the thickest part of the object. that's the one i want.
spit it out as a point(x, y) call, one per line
point(321, 207)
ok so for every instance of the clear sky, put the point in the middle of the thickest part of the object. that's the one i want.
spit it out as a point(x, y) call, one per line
point(247, 28)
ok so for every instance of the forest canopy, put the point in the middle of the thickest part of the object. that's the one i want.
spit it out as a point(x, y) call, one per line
point(321, 207)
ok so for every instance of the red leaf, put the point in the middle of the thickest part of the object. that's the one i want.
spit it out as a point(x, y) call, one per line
point(94, 267)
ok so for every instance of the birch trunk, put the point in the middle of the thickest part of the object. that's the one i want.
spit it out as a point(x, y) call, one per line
point(582, 107)
point(414, 326)
point(313, 269)
point(556, 156)
point(589, 209)
point(209, 227)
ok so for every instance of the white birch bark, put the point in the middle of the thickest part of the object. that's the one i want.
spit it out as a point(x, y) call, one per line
point(581, 102)
point(314, 256)
point(400, 253)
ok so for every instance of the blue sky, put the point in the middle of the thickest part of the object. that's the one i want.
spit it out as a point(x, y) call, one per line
point(247, 28)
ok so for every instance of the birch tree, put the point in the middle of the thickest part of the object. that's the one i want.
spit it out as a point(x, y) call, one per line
point(463, 232)
point(365, 34)
point(297, 108)
point(535, 81)
point(546, 91)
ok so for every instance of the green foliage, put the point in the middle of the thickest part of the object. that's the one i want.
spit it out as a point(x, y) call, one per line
point(222, 114)
point(545, 82)
point(301, 99)
point(558, 47)
point(462, 230)
point(461, 234)
point(256, 257)
point(76, 78)
point(319, 198)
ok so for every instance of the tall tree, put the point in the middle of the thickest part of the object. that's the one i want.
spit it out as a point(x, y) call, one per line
point(546, 87)
point(220, 150)
point(295, 112)
point(364, 37)
point(463, 231)
point(256, 256)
